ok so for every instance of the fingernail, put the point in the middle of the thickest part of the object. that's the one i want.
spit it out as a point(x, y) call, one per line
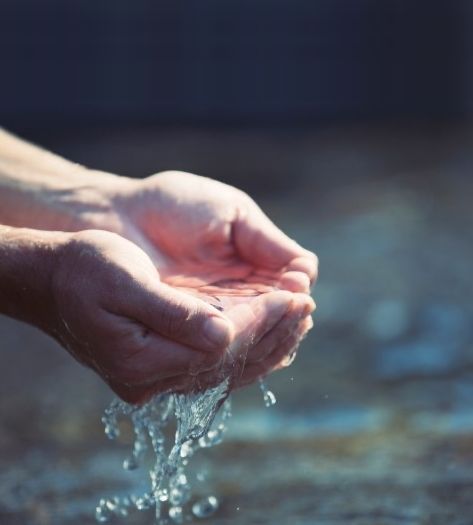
point(217, 332)
point(310, 307)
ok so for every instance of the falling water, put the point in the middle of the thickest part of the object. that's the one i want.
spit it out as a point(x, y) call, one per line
point(169, 487)
point(169, 491)
point(268, 397)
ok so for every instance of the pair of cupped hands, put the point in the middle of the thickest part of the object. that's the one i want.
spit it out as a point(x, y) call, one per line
point(178, 281)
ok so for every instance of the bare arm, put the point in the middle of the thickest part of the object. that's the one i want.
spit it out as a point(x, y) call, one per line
point(133, 306)
point(98, 294)
point(42, 190)
point(27, 263)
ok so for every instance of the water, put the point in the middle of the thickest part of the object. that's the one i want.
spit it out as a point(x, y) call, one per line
point(268, 397)
point(169, 489)
point(205, 507)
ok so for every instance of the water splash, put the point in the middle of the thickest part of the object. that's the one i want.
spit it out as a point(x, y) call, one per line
point(169, 489)
point(205, 507)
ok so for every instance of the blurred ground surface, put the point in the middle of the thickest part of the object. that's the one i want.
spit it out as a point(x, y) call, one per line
point(374, 421)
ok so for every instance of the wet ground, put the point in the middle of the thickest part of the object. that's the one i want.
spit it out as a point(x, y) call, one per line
point(374, 420)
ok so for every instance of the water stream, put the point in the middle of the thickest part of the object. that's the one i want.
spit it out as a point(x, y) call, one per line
point(194, 413)
point(197, 427)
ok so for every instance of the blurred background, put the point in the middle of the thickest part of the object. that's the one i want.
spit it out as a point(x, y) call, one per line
point(350, 123)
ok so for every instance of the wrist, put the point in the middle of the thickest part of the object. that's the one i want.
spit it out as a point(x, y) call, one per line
point(75, 199)
point(28, 261)
point(41, 190)
point(86, 201)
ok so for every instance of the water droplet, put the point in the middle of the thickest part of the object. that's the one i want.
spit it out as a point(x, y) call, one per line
point(163, 495)
point(187, 450)
point(111, 505)
point(181, 480)
point(268, 397)
point(194, 413)
point(176, 514)
point(205, 507)
point(212, 438)
point(131, 463)
point(102, 514)
point(111, 431)
point(179, 495)
point(144, 503)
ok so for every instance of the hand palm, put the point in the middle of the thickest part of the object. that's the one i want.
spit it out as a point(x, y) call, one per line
point(200, 236)
point(191, 227)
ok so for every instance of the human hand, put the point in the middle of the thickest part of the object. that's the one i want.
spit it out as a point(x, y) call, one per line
point(210, 243)
point(112, 311)
point(201, 231)
point(211, 240)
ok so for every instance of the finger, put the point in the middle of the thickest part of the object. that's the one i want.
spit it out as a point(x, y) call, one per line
point(295, 281)
point(179, 316)
point(287, 358)
point(214, 377)
point(302, 306)
point(252, 320)
point(156, 364)
point(145, 358)
point(211, 378)
point(307, 264)
point(255, 370)
point(259, 241)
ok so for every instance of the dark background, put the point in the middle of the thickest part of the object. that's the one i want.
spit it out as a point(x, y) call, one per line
point(350, 122)
point(245, 62)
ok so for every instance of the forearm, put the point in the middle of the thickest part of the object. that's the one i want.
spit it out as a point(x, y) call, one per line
point(42, 190)
point(27, 263)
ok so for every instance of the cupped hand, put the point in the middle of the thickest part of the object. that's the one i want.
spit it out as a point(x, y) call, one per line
point(211, 241)
point(199, 231)
point(115, 314)
point(197, 283)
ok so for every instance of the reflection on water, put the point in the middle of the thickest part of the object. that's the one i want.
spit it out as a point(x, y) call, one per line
point(373, 424)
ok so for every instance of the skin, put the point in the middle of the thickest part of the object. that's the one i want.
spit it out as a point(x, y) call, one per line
point(125, 273)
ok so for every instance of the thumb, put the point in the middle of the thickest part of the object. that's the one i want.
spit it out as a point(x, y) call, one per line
point(181, 317)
